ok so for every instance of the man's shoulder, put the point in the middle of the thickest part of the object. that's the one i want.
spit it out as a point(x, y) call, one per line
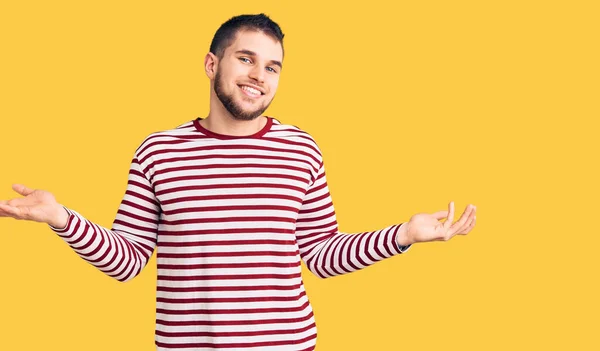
point(167, 136)
point(283, 130)
point(298, 140)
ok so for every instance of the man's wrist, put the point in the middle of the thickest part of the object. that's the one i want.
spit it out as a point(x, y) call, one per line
point(61, 218)
point(402, 238)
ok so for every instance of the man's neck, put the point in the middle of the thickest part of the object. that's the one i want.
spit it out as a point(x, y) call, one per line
point(227, 125)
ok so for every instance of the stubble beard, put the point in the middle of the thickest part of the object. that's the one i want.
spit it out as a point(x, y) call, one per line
point(234, 109)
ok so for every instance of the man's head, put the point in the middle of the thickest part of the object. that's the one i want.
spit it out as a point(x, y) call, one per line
point(244, 64)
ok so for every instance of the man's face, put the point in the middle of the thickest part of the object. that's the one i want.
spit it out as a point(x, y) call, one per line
point(248, 74)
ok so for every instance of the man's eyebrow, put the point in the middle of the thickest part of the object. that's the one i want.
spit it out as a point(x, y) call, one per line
point(252, 53)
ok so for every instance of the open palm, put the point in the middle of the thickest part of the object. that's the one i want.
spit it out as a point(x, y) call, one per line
point(424, 227)
point(36, 205)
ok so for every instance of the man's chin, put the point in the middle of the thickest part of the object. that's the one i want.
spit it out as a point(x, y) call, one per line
point(246, 116)
point(243, 118)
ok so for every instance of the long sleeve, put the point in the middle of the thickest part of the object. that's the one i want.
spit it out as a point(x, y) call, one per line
point(124, 250)
point(328, 252)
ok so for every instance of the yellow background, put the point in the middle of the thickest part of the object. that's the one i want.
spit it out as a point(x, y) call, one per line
point(414, 105)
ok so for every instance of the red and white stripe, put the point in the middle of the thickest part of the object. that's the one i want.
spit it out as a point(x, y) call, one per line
point(231, 217)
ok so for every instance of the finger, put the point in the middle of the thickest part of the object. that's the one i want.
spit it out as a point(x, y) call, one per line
point(450, 218)
point(9, 211)
point(3, 212)
point(465, 229)
point(463, 220)
point(22, 189)
point(472, 225)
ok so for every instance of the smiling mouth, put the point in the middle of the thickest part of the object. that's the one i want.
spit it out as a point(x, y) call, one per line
point(250, 91)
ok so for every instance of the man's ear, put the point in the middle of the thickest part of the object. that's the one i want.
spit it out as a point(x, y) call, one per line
point(210, 65)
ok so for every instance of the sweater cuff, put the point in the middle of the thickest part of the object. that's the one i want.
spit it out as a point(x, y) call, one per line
point(404, 248)
point(401, 248)
point(72, 224)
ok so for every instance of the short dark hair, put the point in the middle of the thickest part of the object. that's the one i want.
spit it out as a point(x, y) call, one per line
point(226, 33)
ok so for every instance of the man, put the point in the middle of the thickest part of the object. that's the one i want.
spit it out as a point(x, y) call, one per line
point(232, 202)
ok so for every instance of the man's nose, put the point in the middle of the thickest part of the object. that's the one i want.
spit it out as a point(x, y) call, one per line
point(258, 73)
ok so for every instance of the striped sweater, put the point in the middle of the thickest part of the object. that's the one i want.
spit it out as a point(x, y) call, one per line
point(230, 217)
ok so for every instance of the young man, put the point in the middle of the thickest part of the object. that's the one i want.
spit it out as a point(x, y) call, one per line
point(232, 202)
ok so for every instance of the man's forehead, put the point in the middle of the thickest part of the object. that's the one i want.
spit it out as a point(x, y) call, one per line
point(257, 42)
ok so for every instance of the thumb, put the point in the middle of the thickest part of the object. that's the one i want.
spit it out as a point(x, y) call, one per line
point(22, 189)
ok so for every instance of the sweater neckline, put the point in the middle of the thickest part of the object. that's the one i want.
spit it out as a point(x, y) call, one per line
point(258, 134)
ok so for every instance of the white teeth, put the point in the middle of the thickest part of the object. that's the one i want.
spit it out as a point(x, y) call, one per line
point(251, 90)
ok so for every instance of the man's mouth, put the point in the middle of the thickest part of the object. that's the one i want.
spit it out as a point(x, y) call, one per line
point(251, 91)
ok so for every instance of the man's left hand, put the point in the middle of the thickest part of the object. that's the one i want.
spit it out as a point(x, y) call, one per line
point(424, 227)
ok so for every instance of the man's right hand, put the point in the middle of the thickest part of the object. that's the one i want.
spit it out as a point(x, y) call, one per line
point(36, 205)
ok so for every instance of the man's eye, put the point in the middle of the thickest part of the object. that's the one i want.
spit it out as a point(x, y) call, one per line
point(272, 69)
point(245, 59)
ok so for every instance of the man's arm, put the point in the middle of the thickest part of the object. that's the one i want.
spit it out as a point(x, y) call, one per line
point(328, 252)
point(120, 252)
